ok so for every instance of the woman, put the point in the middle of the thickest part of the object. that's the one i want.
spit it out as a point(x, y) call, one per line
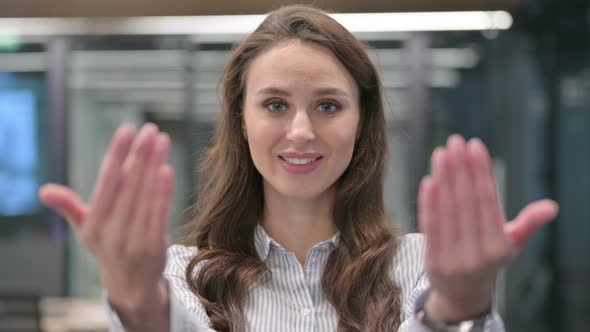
point(290, 232)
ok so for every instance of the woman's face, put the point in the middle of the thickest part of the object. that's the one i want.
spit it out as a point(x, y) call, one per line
point(301, 116)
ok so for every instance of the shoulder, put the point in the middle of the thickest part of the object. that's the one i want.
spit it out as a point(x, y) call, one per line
point(178, 250)
point(408, 262)
point(186, 310)
point(177, 259)
point(411, 245)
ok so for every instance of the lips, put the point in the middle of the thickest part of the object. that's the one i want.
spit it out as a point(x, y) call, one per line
point(300, 163)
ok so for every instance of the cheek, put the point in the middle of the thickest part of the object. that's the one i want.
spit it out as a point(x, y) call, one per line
point(345, 148)
point(340, 138)
point(261, 138)
point(347, 137)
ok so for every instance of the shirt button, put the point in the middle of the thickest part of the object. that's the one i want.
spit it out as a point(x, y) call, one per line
point(305, 311)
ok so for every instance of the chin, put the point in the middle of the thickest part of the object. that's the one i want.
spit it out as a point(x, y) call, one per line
point(301, 190)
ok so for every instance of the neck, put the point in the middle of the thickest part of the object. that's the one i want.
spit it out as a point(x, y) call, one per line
point(296, 223)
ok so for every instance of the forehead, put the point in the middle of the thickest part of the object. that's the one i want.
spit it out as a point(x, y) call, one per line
point(297, 63)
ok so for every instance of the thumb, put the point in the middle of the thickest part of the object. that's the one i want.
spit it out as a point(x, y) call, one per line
point(531, 218)
point(65, 201)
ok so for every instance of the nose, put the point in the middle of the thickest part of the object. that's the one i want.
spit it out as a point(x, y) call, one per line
point(300, 131)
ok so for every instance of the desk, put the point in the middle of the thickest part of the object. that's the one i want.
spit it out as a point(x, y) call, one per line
point(73, 314)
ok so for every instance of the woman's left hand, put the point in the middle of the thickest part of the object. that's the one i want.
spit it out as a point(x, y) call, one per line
point(467, 237)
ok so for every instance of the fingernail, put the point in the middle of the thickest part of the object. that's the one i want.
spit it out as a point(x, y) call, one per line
point(125, 131)
point(455, 139)
point(436, 154)
point(162, 143)
point(553, 204)
point(439, 159)
point(128, 136)
point(151, 126)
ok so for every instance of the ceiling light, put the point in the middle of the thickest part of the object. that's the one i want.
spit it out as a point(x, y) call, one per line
point(243, 24)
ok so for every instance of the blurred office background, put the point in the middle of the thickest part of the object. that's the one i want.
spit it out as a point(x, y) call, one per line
point(519, 78)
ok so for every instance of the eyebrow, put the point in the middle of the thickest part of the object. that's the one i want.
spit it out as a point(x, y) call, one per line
point(319, 92)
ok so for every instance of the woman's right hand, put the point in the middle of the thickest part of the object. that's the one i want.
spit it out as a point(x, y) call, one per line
point(124, 225)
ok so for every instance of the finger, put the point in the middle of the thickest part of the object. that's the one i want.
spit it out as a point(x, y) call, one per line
point(160, 212)
point(446, 217)
point(134, 173)
point(463, 202)
point(494, 245)
point(427, 210)
point(65, 201)
point(531, 218)
point(487, 195)
point(109, 176)
point(434, 161)
point(149, 187)
point(422, 223)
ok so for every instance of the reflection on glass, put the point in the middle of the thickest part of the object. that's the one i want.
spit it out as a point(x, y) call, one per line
point(18, 153)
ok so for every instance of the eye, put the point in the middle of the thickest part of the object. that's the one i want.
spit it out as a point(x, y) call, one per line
point(328, 107)
point(276, 106)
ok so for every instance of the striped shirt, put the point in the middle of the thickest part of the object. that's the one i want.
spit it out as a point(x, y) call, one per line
point(292, 300)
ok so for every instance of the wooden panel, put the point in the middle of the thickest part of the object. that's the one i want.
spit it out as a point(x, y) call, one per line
point(117, 8)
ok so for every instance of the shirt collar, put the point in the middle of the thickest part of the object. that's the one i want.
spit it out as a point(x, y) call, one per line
point(263, 242)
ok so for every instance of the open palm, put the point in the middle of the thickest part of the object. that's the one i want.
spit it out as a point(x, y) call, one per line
point(125, 222)
point(468, 239)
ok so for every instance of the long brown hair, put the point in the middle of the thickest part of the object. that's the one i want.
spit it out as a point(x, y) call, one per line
point(357, 279)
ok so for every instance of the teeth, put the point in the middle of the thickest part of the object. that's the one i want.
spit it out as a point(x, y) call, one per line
point(297, 161)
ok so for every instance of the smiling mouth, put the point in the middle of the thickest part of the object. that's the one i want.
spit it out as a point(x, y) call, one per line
point(300, 161)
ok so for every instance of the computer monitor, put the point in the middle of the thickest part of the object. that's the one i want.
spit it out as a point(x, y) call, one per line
point(19, 161)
